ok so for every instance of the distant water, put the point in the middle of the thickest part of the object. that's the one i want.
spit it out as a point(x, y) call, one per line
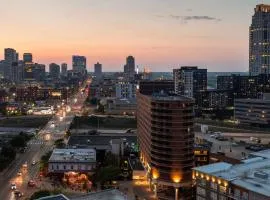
point(212, 76)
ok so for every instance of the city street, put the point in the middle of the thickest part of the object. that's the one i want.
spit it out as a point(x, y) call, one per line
point(42, 143)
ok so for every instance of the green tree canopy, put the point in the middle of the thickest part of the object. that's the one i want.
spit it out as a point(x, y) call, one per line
point(18, 141)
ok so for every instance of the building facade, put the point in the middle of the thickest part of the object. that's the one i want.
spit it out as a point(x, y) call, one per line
point(64, 69)
point(259, 41)
point(129, 68)
point(244, 86)
point(125, 90)
point(11, 57)
point(72, 160)
point(98, 70)
point(253, 111)
point(27, 58)
point(54, 70)
point(248, 180)
point(189, 80)
point(166, 138)
point(79, 64)
point(152, 87)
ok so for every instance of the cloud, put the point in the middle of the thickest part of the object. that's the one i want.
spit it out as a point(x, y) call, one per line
point(186, 19)
point(202, 18)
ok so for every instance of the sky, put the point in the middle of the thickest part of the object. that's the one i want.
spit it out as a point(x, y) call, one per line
point(160, 34)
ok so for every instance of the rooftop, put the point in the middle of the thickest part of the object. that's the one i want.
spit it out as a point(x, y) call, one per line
point(54, 197)
point(166, 97)
point(73, 155)
point(88, 140)
point(252, 174)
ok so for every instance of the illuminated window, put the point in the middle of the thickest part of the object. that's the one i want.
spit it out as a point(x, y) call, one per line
point(222, 189)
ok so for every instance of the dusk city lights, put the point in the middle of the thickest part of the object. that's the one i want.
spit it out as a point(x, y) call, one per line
point(135, 100)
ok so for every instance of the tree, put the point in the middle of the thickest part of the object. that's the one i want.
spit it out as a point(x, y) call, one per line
point(110, 160)
point(8, 152)
point(18, 141)
point(59, 143)
point(109, 173)
point(39, 194)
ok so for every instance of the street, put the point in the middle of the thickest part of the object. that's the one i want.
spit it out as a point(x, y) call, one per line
point(42, 143)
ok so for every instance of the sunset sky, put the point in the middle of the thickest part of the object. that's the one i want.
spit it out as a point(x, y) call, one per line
point(160, 34)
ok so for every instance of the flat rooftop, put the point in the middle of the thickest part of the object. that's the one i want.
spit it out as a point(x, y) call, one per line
point(252, 174)
point(54, 197)
point(73, 155)
point(88, 140)
point(166, 97)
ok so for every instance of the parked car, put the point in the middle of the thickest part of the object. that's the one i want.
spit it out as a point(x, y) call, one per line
point(31, 183)
point(24, 165)
point(13, 186)
point(18, 194)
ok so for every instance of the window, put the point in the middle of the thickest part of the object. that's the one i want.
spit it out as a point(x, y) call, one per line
point(237, 193)
point(245, 196)
point(221, 197)
point(213, 186)
point(202, 182)
point(200, 198)
point(200, 191)
point(64, 166)
point(222, 189)
point(71, 167)
point(57, 167)
point(213, 196)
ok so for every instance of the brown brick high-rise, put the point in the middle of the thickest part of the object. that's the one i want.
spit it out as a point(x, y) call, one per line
point(166, 138)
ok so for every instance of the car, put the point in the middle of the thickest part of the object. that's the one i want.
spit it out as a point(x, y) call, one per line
point(221, 138)
point(31, 183)
point(33, 162)
point(13, 186)
point(17, 193)
point(234, 144)
point(24, 165)
point(19, 173)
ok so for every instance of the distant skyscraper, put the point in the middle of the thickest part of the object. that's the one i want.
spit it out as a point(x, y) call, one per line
point(98, 70)
point(189, 80)
point(79, 64)
point(29, 68)
point(10, 57)
point(129, 68)
point(39, 72)
point(259, 41)
point(54, 71)
point(27, 57)
point(64, 69)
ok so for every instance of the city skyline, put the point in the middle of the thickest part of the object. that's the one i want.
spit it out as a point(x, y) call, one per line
point(109, 31)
